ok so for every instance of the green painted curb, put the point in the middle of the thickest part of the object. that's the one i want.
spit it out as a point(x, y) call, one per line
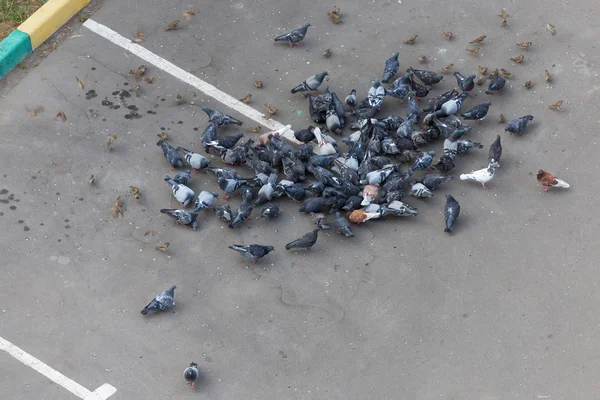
point(13, 50)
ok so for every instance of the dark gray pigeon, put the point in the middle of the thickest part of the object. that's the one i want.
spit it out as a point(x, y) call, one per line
point(400, 87)
point(191, 374)
point(451, 143)
point(465, 145)
point(162, 301)
point(423, 162)
point(252, 252)
point(495, 150)
point(311, 83)
point(242, 214)
point(466, 84)
point(306, 241)
point(230, 185)
point(436, 102)
point(209, 135)
point(313, 205)
point(391, 67)
point(219, 118)
point(342, 225)
point(184, 217)
point(518, 125)
point(171, 154)
point(305, 135)
point(432, 181)
point(427, 77)
point(451, 213)
point(270, 211)
point(223, 212)
point(226, 142)
point(319, 221)
point(496, 85)
point(183, 177)
point(351, 99)
point(478, 112)
point(294, 37)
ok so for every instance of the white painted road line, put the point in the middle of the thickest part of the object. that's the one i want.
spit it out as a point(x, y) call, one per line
point(102, 393)
point(186, 77)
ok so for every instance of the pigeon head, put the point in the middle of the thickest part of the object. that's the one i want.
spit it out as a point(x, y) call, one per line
point(395, 56)
point(167, 178)
point(376, 83)
point(322, 76)
point(269, 248)
point(528, 117)
point(431, 153)
point(305, 26)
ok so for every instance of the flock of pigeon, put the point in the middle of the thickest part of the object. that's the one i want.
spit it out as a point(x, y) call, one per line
point(363, 183)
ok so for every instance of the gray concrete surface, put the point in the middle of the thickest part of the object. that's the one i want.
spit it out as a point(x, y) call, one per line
point(505, 308)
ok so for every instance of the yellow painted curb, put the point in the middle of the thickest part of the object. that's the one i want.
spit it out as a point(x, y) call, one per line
point(48, 18)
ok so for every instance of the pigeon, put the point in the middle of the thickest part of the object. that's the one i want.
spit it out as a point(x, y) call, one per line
point(378, 176)
point(400, 87)
point(518, 125)
point(324, 146)
point(195, 160)
point(465, 145)
point(226, 142)
point(162, 301)
point(420, 191)
point(412, 107)
point(313, 205)
point(369, 193)
point(267, 191)
point(182, 193)
point(352, 203)
point(420, 90)
point(219, 118)
point(549, 180)
point(294, 37)
point(495, 150)
point(478, 112)
point(242, 214)
point(224, 172)
point(270, 211)
point(339, 108)
point(466, 84)
point(223, 212)
point(311, 83)
point(246, 194)
point(432, 181)
point(230, 185)
point(398, 209)
point(445, 164)
point(306, 241)
point(351, 100)
point(171, 154)
point(295, 191)
point(191, 374)
point(305, 135)
point(423, 162)
point(436, 103)
point(237, 155)
point(184, 217)
point(209, 135)
point(252, 252)
point(204, 200)
point(451, 213)
point(451, 143)
point(360, 216)
point(183, 177)
point(496, 85)
point(452, 106)
point(342, 225)
point(391, 67)
point(376, 94)
point(427, 77)
point(319, 221)
point(332, 121)
point(482, 176)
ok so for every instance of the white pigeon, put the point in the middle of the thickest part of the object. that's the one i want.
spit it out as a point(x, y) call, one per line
point(482, 176)
point(195, 160)
point(324, 148)
point(182, 193)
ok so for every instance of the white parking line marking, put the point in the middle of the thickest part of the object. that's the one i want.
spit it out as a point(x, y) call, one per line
point(186, 77)
point(102, 393)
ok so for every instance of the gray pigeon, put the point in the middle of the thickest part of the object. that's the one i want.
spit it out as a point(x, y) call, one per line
point(252, 252)
point(242, 214)
point(313, 205)
point(432, 181)
point(162, 301)
point(306, 241)
point(420, 191)
point(451, 143)
point(182, 193)
point(478, 112)
point(230, 185)
point(267, 191)
point(219, 118)
point(427, 77)
point(204, 200)
point(226, 142)
point(495, 150)
point(319, 220)
point(223, 212)
point(183, 177)
point(465, 145)
point(209, 135)
point(423, 162)
point(351, 99)
point(391, 68)
point(451, 212)
point(191, 374)
point(496, 85)
point(294, 37)
point(466, 84)
point(332, 120)
point(171, 154)
point(270, 211)
point(311, 83)
point(195, 160)
point(184, 217)
point(398, 209)
point(452, 106)
point(342, 225)
point(518, 125)
point(400, 87)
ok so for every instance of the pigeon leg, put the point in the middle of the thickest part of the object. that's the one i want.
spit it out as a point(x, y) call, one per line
point(545, 190)
point(299, 44)
point(253, 260)
point(196, 170)
point(227, 197)
point(173, 169)
point(472, 95)
point(291, 45)
point(485, 187)
point(478, 121)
